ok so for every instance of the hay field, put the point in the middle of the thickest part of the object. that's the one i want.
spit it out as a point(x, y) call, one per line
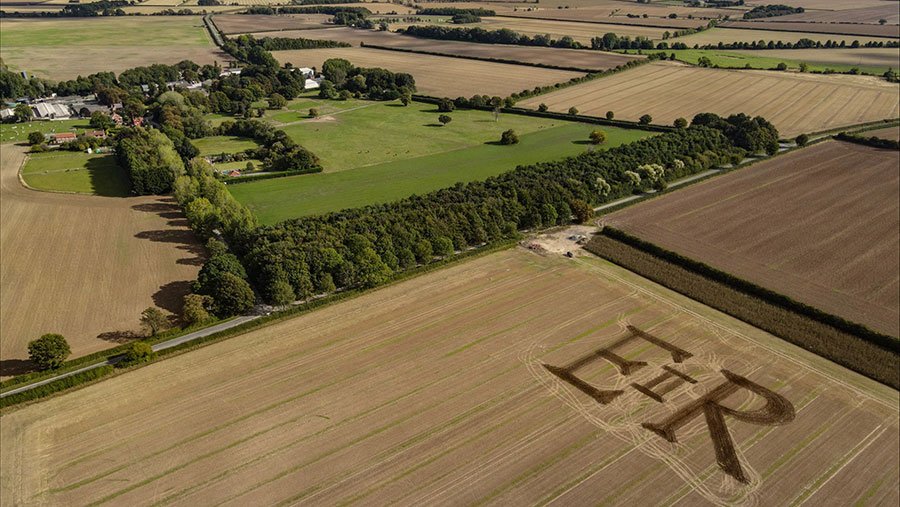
point(581, 32)
point(593, 60)
point(435, 392)
point(84, 266)
point(437, 75)
point(241, 23)
point(728, 35)
point(67, 47)
point(812, 225)
point(795, 103)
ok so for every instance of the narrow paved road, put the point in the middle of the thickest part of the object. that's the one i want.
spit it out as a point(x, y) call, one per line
point(174, 342)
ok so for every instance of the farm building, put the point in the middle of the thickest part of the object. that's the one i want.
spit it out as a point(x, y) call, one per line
point(6, 113)
point(62, 137)
point(98, 134)
point(234, 173)
point(51, 111)
point(117, 118)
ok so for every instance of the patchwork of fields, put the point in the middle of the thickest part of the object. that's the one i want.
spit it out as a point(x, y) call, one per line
point(439, 76)
point(795, 103)
point(443, 388)
point(875, 61)
point(728, 35)
point(65, 48)
point(581, 32)
point(821, 225)
point(84, 266)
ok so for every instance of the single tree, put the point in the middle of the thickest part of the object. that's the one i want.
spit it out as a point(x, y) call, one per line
point(804, 67)
point(446, 106)
point(49, 351)
point(509, 137)
point(444, 119)
point(581, 210)
point(35, 138)
point(802, 140)
point(573, 110)
point(313, 112)
point(882, 21)
point(232, 296)
point(196, 309)
point(645, 120)
point(248, 167)
point(680, 123)
point(281, 293)
point(443, 246)
point(610, 115)
point(598, 137)
point(781, 66)
point(137, 352)
point(277, 101)
point(100, 120)
point(154, 320)
point(23, 112)
point(406, 98)
point(543, 108)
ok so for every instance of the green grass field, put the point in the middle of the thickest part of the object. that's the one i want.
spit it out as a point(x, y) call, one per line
point(279, 199)
point(18, 132)
point(103, 31)
point(223, 144)
point(67, 171)
point(757, 60)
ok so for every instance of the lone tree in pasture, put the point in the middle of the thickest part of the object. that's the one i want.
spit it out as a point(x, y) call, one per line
point(35, 138)
point(573, 110)
point(444, 119)
point(598, 137)
point(249, 167)
point(49, 351)
point(153, 320)
point(509, 137)
point(406, 98)
point(645, 120)
point(610, 115)
point(680, 123)
point(543, 108)
point(313, 112)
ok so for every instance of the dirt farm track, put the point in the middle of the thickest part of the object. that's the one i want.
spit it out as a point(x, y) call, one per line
point(84, 266)
point(507, 380)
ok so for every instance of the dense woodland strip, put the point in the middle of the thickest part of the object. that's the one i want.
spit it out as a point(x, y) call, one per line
point(846, 343)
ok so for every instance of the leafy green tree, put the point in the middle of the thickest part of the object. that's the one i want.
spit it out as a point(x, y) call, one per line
point(49, 351)
point(424, 251)
point(804, 66)
point(446, 106)
point(196, 309)
point(313, 112)
point(277, 101)
point(509, 137)
point(101, 120)
point(645, 120)
point(137, 352)
point(23, 112)
point(443, 246)
point(543, 108)
point(680, 123)
point(35, 138)
point(573, 110)
point(610, 115)
point(154, 320)
point(336, 70)
point(802, 140)
point(781, 66)
point(406, 98)
point(581, 210)
point(345, 95)
point(232, 296)
point(444, 119)
point(281, 293)
point(598, 137)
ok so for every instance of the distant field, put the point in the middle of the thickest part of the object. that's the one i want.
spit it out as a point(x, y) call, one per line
point(438, 75)
point(216, 145)
point(279, 199)
point(848, 13)
point(794, 102)
point(437, 391)
point(728, 35)
point(18, 132)
point(68, 171)
point(240, 23)
point(869, 60)
point(781, 23)
point(890, 133)
point(67, 47)
point(581, 32)
point(810, 225)
point(602, 15)
point(592, 60)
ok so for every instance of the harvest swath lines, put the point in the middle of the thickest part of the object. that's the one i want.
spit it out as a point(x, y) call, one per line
point(434, 390)
point(794, 103)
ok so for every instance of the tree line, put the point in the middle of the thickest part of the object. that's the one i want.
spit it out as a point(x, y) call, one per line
point(772, 10)
point(453, 11)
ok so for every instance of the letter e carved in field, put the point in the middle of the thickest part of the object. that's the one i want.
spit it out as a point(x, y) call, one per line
point(777, 410)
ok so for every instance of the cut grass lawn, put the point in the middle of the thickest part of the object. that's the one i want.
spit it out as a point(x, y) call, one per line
point(65, 171)
point(18, 132)
point(758, 60)
point(215, 145)
point(283, 198)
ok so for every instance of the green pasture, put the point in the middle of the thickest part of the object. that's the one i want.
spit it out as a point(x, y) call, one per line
point(757, 59)
point(104, 31)
point(278, 199)
point(215, 145)
point(18, 132)
point(68, 171)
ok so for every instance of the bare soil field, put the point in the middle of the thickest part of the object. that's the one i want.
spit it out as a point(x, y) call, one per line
point(241, 23)
point(439, 76)
point(472, 385)
point(889, 133)
point(863, 57)
point(84, 266)
point(581, 32)
point(812, 225)
point(729, 35)
point(794, 102)
point(593, 60)
point(801, 26)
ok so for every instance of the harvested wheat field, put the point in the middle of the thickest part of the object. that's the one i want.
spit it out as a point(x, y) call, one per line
point(795, 103)
point(581, 32)
point(85, 266)
point(862, 57)
point(471, 385)
point(849, 13)
point(889, 133)
point(239, 23)
point(729, 35)
point(589, 60)
point(438, 75)
point(821, 225)
point(602, 15)
point(848, 29)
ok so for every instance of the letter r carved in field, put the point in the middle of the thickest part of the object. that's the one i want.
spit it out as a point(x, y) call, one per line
point(777, 410)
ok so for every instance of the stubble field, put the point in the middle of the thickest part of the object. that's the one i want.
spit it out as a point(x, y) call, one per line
point(84, 266)
point(441, 391)
point(821, 225)
point(729, 35)
point(851, 30)
point(795, 103)
point(239, 23)
point(581, 32)
point(65, 48)
point(439, 76)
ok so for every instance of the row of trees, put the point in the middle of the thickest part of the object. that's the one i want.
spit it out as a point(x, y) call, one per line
point(453, 11)
point(373, 83)
point(800, 44)
point(150, 159)
point(501, 36)
point(772, 10)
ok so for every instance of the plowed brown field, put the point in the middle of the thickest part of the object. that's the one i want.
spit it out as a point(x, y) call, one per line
point(439, 76)
point(795, 103)
point(439, 391)
point(84, 266)
point(821, 225)
point(890, 133)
